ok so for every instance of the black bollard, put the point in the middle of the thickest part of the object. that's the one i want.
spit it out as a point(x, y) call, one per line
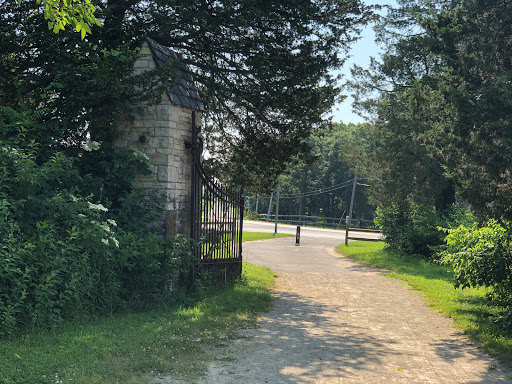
point(297, 236)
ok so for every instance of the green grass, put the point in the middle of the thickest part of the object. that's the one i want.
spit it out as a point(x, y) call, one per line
point(251, 236)
point(133, 348)
point(468, 308)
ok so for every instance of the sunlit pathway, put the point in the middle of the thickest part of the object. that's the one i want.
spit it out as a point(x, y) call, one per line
point(337, 322)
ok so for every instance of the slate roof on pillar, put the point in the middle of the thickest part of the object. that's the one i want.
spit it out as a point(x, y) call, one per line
point(184, 92)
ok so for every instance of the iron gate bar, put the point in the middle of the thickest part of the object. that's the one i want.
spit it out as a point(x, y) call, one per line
point(216, 217)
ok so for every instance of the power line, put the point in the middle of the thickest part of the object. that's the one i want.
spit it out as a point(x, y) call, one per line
point(315, 192)
point(319, 192)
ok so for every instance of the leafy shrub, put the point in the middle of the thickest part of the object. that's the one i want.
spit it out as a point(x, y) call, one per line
point(152, 269)
point(483, 257)
point(457, 215)
point(56, 254)
point(414, 229)
point(109, 172)
point(410, 230)
point(63, 256)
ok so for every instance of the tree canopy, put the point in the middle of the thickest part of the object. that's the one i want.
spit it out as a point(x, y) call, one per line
point(441, 103)
point(263, 70)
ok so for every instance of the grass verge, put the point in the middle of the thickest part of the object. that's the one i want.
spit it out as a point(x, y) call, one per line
point(251, 236)
point(468, 308)
point(137, 347)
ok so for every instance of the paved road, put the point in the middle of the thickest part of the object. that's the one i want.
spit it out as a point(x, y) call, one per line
point(305, 232)
point(337, 322)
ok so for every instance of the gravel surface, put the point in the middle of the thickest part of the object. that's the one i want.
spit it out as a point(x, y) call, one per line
point(338, 322)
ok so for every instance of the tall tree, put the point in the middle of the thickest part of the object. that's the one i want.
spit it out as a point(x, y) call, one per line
point(263, 69)
point(442, 111)
point(470, 112)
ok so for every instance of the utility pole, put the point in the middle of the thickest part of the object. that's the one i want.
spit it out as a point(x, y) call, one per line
point(349, 218)
point(277, 208)
point(270, 206)
point(257, 201)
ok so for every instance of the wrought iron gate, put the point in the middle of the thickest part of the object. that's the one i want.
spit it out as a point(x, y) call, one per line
point(217, 219)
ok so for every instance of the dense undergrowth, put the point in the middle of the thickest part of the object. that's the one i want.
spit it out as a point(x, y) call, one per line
point(69, 247)
point(135, 347)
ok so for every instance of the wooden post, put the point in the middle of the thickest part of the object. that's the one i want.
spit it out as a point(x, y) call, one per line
point(349, 218)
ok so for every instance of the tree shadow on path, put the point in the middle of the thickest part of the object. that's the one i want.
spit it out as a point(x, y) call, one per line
point(307, 341)
point(301, 340)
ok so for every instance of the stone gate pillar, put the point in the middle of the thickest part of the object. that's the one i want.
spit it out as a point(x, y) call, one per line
point(161, 134)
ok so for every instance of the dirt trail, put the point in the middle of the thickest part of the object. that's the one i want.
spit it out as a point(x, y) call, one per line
point(337, 322)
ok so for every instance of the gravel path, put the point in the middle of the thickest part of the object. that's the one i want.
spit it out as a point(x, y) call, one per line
point(337, 322)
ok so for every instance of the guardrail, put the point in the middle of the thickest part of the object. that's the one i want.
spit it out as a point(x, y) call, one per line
point(318, 222)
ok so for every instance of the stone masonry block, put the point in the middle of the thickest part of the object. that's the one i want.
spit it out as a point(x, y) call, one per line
point(141, 63)
point(171, 195)
point(163, 112)
point(148, 123)
point(166, 173)
point(146, 178)
point(165, 151)
point(157, 159)
point(163, 131)
point(173, 206)
point(148, 186)
point(133, 135)
point(186, 119)
point(175, 134)
point(160, 142)
point(144, 50)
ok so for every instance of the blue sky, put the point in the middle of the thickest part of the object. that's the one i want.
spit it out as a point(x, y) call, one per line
point(360, 54)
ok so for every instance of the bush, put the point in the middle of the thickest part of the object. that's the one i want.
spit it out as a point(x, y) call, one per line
point(63, 268)
point(483, 257)
point(414, 229)
point(63, 256)
point(410, 230)
point(152, 269)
